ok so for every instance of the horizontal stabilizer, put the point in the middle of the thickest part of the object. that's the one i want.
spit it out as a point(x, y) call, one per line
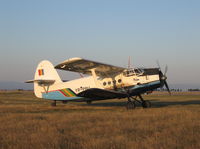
point(41, 82)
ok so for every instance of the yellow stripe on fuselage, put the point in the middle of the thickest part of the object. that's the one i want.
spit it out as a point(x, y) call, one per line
point(67, 93)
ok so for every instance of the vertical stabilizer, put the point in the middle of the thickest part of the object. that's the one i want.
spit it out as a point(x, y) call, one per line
point(45, 77)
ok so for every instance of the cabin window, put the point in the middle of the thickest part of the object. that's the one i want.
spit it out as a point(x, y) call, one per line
point(119, 81)
point(104, 83)
point(109, 83)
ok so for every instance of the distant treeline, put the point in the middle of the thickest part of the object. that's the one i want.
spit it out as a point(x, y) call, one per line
point(14, 90)
point(193, 90)
point(180, 90)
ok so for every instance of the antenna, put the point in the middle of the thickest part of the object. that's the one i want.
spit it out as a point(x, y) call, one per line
point(129, 62)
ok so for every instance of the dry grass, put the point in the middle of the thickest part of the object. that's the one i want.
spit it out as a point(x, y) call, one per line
point(172, 123)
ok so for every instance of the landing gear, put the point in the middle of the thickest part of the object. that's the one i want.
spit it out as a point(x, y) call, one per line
point(131, 103)
point(146, 104)
point(53, 104)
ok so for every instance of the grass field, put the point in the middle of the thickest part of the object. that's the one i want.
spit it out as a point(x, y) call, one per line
point(26, 122)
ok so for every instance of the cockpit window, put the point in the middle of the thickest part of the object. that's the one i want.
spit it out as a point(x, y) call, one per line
point(133, 72)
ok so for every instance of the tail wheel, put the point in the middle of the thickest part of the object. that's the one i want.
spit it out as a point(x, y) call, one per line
point(146, 104)
point(130, 105)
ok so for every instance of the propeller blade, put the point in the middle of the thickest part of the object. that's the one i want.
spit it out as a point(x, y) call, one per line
point(163, 77)
point(158, 64)
point(166, 85)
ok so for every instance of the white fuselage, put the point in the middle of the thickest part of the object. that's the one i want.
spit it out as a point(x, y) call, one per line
point(110, 83)
point(48, 85)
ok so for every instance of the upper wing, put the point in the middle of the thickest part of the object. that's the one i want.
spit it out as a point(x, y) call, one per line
point(84, 66)
point(96, 93)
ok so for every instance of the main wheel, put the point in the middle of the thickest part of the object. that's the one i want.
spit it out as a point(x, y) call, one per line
point(146, 104)
point(130, 105)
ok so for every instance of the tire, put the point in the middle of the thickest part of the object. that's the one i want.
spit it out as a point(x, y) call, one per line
point(130, 105)
point(146, 104)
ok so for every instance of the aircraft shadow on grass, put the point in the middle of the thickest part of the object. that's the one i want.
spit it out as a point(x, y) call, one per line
point(157, 104)
point(154, 103)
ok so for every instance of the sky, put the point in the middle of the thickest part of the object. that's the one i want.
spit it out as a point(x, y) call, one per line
point(107, 31)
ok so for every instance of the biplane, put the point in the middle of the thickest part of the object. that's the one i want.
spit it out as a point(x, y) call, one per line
point(102, 81)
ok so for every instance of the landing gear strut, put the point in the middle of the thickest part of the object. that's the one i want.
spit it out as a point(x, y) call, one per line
point(145, 103)
point(131, 103)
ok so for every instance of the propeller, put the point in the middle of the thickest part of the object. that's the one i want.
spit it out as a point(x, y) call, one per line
point(166, 69)
point(166, 85)
point(163, 77)
point(129, 62)
point(158, 64)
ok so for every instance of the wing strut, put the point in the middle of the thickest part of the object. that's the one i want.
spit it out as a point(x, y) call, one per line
point(95, 77)
point(46, 89)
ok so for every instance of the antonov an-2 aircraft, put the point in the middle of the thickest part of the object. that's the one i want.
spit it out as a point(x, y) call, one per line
point(104, 82)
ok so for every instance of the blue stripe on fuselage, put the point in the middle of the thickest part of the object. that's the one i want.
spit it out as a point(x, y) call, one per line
point(56, 95)
point(147, 85)
point(142, 88)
